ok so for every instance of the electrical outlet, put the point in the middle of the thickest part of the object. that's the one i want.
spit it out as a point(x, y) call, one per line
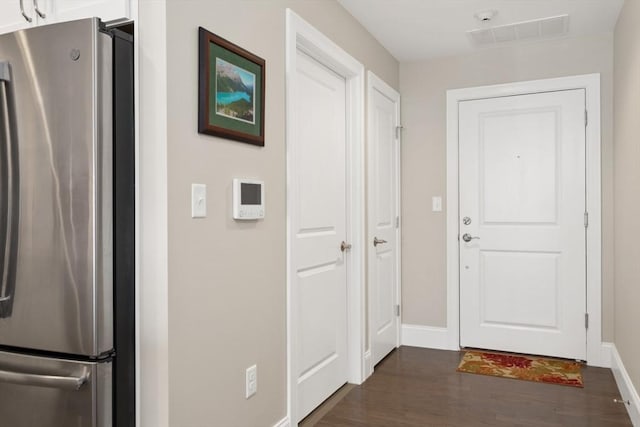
point(251, 381)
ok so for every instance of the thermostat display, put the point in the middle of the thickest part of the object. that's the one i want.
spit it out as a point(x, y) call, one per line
point(248, 199)
point(250, 194)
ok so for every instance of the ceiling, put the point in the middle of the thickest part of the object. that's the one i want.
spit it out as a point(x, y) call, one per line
point(414, 30)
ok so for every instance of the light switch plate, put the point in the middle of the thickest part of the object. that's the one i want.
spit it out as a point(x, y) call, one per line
point(436, 204)
point(251, 378)
point(198, 200)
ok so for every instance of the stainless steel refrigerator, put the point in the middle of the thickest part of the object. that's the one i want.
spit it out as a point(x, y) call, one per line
point(66, 227)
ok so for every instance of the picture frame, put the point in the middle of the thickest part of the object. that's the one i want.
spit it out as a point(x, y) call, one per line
point(231, 90)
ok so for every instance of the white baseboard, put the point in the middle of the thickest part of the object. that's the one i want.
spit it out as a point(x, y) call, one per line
point(627, 390)
point(283, 422)
point(368, 364)
point(426, 337)
point(606, 351)
point(439, 338)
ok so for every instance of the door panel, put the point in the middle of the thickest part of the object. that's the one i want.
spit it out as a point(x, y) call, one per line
point(532, 277)
point(384, 297)
point(319, 225)
point(62, 296)
point(46, 392)
point(522, 186)
point(524, 190)
point(383, 214)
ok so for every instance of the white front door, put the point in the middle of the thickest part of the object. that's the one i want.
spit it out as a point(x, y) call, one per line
point(318, 187)
point(384, 107)
point(522, 224)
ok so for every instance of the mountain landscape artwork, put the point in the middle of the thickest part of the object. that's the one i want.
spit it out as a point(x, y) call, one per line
point(234, 92)
point(231, 90)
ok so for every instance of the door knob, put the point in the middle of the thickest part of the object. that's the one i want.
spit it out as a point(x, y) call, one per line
point(468, 237)
point(377, 241)
point(345, 246)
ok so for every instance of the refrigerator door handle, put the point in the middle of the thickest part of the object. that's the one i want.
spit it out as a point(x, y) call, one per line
point(52, 381)
point(9, 190)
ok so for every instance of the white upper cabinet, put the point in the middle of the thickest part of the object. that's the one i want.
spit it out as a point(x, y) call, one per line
point(18, 14)
point(106, 10)
point(12, 18)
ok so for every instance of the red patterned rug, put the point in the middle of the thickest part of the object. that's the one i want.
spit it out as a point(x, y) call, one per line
point(529, 368)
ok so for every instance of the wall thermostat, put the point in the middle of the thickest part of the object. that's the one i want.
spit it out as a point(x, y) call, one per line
point(248, 199)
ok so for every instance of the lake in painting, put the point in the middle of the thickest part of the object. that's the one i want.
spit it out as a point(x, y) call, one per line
point(235, 92)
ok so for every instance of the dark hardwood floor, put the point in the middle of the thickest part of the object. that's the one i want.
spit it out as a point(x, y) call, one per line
point(420, 387)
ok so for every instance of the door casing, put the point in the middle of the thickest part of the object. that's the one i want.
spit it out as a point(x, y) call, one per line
point(300, 35)
point(596, 354)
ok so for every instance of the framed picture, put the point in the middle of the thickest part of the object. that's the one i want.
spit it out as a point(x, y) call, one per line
point(231, 90)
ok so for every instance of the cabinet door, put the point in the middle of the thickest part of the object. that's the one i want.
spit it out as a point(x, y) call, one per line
point(11, 18)
point(68, 10)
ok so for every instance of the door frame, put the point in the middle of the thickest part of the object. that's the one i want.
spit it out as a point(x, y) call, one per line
point(300, 35)
point(596, 354)
point(375, 83)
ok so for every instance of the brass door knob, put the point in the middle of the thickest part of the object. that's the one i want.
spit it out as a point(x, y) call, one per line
point(377, 241)
point(344, 246)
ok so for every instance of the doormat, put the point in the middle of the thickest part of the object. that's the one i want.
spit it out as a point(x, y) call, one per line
point(528, 368)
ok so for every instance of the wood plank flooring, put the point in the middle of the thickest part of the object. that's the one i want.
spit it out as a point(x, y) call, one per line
point(420, 387)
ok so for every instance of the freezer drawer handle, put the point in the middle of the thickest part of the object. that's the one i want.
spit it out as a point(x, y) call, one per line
point(9, 190)
point(65, 383)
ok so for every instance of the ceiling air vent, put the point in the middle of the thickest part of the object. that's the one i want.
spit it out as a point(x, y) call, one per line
point(526, 30)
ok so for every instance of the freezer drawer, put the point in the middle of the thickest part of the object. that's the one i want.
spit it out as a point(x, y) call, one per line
point(44, 392)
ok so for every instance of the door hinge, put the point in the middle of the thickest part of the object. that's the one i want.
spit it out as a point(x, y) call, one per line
point(586, 118)
point(399, 131)
point(586, 320)
point(398, 310)
point(397, 222)
point(586, 219)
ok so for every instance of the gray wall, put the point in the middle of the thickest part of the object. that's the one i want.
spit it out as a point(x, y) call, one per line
point(627, 185)
point(224, 316)
point(423, 86)
point(227, 280)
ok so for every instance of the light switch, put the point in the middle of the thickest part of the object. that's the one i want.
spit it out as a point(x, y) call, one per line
point(198, 201)
point(251, 378)
point(436, 204)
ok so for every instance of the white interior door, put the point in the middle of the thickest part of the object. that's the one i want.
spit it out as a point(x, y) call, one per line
point(318, 157)
point(522, 204)
point(383, 177)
